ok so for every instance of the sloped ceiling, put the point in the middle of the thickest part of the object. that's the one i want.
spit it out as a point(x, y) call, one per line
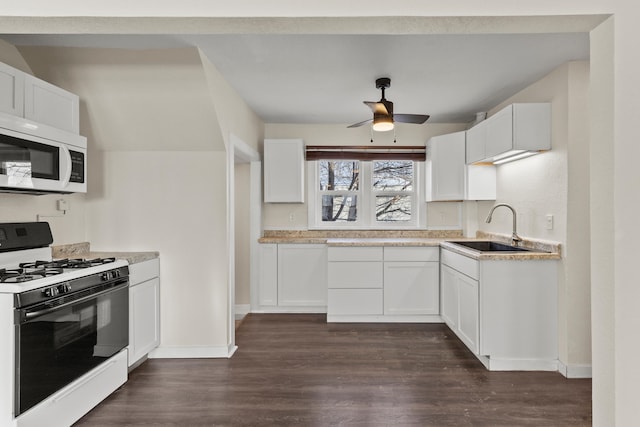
point(135, 99)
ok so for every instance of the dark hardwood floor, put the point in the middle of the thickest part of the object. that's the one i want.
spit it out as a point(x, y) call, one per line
point(297, 370)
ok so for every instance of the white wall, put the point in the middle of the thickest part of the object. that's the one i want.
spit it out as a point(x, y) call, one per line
point(276, 216)
point(171, 202)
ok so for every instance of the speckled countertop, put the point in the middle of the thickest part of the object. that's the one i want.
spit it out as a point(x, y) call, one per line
point(536, 249)
point(82, 250)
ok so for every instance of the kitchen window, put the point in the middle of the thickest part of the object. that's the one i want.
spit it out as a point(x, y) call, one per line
point(364, 194)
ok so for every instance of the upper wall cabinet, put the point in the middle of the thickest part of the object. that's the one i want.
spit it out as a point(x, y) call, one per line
point(11, 90)
point(283, 171)
point(449, 178)
point(515, 132)
point(51, 105)
point(26, 96)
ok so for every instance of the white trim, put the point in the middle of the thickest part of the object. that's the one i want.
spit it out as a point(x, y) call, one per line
point(242, 152)
point(193, 352)
point(242, 310)
point(493, 364)
point(432, 318)
point(289, 309)
point(575, 371)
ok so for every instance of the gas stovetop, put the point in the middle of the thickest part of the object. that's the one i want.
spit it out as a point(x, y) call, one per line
point(26, 262)
point(33, 270)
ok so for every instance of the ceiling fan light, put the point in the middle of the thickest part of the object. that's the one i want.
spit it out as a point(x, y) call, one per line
point(382, 124)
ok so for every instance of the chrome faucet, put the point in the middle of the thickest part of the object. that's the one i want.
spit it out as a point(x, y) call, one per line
point(515, 239)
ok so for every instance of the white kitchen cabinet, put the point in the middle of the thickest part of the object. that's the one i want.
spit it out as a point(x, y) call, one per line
point(444, 166)
point(302, 275)
point(11, 90)
point(411, 288)
point(476, 138)
point(514, 129)
point(383, 284)
point(504, 311)
point(144, 309)
point(468, 312)
point(283, 171)
point(293, 278)
point(268, 275)
point(51, 105)
point(460, 305)
point(450, 178)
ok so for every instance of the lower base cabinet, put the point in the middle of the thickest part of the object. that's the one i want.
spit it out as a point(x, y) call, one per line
point(293, 278)
point(144, 309)
point(383, 284)
point(504, 311)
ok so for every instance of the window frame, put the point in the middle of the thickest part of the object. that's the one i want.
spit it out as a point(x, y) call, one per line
point(365, 219)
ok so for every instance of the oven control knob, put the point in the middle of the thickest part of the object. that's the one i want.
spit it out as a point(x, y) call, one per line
point(51, 292)
point(107, 275)
point(64, 288)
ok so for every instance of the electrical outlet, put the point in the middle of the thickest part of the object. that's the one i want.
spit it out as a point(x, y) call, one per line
point(549, 222)
point(292, 217)
point(62, 205)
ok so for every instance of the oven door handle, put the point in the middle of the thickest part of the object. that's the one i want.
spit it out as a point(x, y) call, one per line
point(30, 315)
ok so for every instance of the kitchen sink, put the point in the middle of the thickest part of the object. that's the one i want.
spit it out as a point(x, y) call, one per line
point(487, 246)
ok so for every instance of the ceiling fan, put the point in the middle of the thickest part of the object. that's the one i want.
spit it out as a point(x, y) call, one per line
point(383, 116)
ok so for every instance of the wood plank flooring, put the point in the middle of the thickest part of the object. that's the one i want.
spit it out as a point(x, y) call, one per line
point(297, 370)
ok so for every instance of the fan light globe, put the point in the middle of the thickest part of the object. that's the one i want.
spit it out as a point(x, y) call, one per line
point(382, 124)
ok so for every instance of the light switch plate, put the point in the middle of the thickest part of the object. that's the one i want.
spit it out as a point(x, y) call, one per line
point(549, 222)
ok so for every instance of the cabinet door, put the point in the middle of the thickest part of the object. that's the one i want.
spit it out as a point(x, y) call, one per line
point(468, 312)
point(283, 171)
point(268, 275)
point(11, 90)
point(411, 288)
point(475, 145)
point(499, 132)
point(445, 165)
point(144, 322)
point(449, 297)
point(302, 275)
point(51, 105)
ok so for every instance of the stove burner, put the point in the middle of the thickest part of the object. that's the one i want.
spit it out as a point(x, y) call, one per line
point(38, 269)
point(24, 274)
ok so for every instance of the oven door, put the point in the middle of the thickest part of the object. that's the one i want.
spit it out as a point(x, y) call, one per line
point(60, 340)
point(29, 163)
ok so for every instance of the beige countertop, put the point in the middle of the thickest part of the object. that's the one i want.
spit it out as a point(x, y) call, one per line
point(537, 250)
point(82, 250)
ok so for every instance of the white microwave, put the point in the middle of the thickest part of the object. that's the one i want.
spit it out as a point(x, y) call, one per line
point(40, 159)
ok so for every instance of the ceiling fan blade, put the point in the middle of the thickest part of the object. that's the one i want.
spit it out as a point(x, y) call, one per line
point(377, 107)
point(355, 125)
point(410, 118)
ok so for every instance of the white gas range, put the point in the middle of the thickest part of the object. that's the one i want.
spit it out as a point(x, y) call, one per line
point(64, 329)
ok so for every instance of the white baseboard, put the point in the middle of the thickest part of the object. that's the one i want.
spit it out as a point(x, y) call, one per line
point(166, 352)
point(575, 371)
point(522, 365)
point(332, 318)
point(242, 310)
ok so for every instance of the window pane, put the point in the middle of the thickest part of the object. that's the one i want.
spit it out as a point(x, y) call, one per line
point(339, 208)
point(393, 208)
point(393, 175)
point(339, 175)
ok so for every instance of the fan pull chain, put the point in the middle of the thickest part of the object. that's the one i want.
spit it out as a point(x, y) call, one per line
point(394, 134)
point(371, 130)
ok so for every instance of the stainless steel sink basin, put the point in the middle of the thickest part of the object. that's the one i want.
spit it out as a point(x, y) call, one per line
point(487, 246)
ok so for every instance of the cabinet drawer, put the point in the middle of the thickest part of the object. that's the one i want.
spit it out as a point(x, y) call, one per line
point(143, 271)
point(355, 302)
point(355, 275)
point(412, 253)
point(461, 263)
point(366, 253)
